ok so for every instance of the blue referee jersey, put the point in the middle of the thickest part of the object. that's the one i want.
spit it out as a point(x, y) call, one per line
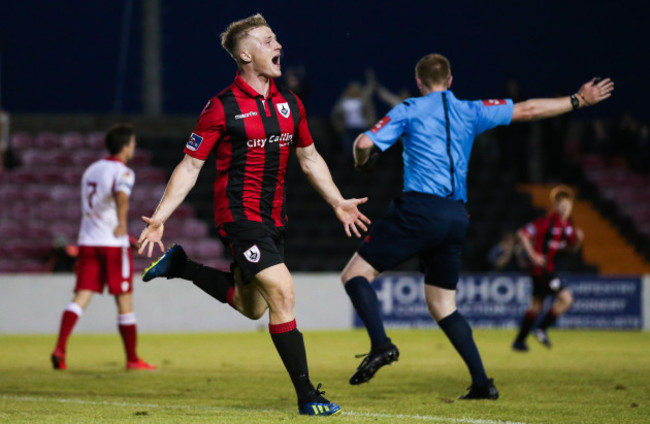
point(438, 132)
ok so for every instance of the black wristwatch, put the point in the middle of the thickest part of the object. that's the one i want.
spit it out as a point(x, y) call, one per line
point(575, 102)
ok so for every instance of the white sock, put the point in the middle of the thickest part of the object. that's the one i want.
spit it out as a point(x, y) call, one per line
point(75, 309)
point(126, 319)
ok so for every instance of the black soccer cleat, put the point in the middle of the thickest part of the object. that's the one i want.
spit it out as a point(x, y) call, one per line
point(487, 391)
point(542, 337)
point(374, 360)
point(519, 346)
point(168, 265)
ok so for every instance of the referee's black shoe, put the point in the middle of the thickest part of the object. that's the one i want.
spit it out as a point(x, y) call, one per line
point(374, 360)
point(486, 391)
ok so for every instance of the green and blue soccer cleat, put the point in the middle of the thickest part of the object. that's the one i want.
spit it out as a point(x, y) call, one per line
point(168, 265)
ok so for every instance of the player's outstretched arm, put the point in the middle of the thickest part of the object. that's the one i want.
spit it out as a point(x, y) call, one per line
point(180, 183)
point(591, 93)
point(319, 176)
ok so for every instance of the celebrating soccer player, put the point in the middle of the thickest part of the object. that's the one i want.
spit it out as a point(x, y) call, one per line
point(104, 248)
point(542, 240)
point(429, 219)
point(253, 126)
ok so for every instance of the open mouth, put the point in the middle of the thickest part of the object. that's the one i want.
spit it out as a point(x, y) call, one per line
point(276, 60)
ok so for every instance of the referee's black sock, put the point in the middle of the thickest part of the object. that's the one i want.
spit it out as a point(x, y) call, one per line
point(459, 333)
point(290, 345)
point(214, 282)
point(364, 299)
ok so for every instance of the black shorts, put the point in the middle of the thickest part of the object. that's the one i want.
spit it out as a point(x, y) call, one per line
point(254, 246)
point(420, 224)
point(547, 284)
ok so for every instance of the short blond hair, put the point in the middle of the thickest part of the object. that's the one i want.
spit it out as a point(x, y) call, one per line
point(237, 30)
point(433, 69)
point(561, 192)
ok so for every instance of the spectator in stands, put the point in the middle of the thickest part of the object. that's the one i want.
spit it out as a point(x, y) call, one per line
point(63, 255)
point(508, 255)
point(104, 245)
point(542, 240)
point(354, 112)
point(295, 79)
point(390, 98)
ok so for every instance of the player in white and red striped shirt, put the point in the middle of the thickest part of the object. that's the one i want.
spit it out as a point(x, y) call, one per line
point(104, 247)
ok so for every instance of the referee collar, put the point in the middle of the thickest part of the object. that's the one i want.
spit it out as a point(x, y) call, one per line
point(250, 91)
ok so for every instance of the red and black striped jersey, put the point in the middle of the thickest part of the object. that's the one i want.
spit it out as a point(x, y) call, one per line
point(549, 235)
point(253, 137)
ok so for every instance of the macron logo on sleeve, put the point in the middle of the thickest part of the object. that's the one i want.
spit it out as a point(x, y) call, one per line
point(379, 125)
point(494, 102)
point(194, 142)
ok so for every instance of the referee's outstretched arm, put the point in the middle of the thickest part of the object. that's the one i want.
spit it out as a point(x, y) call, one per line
point(591, 92)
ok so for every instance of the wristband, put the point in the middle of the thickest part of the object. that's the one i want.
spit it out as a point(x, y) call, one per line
point(575, 103)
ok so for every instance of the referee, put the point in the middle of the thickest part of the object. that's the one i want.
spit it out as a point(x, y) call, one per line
point(429, 219)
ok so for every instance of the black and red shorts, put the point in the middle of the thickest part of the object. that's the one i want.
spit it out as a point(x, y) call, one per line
point(546, 284)
point(253, 246)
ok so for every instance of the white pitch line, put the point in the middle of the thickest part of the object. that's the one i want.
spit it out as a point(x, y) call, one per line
point(236, 409)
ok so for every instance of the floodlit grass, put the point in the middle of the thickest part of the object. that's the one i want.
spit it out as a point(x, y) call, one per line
point(588, 377)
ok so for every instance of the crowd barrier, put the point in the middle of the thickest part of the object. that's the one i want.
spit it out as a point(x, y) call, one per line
point(34, 303)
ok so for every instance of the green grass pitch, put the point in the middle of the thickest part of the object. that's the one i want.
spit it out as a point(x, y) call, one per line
point(587, 377)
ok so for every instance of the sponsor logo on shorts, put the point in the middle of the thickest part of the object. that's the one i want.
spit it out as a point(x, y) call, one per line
point(284, 110)
point(253, 254)
point(246, 115)
point(494, 102)
point(379, 125)
point(194, 142)
point(125, 286)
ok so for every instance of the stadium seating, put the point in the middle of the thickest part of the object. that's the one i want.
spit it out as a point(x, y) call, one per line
point(40, 201)
point(622, 195)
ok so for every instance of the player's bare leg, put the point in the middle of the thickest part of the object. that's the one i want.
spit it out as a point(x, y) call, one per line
point(128, 330)
point(442, 306)
point(356, 277)
point(563, 302)
point(71, 315)
point(534, 309)
point(246, 298)
point(275, 284)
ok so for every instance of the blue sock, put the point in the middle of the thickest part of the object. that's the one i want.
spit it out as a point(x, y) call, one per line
point(459, 333)
point(364, 299)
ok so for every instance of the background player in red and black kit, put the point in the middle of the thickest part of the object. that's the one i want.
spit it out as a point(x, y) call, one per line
point(542, 240)
point(253, 127)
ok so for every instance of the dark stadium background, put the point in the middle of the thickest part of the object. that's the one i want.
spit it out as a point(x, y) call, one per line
point(61, 55)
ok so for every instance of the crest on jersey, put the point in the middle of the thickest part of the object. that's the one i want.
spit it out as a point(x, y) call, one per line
point(194, 142)
point(253, 254)
point(284, 110)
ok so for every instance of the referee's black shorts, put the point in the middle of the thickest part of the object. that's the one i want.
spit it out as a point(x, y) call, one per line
point(420, 224)
point(254, 246)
